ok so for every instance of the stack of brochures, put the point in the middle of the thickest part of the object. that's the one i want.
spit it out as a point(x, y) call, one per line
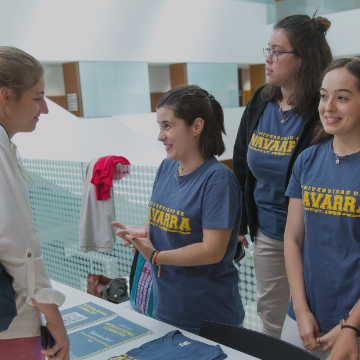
point(93, 329)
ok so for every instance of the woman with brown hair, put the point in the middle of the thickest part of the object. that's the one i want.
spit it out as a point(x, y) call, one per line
point(276, 126)
point(322, 235)
point(194, 216)
point(21, 104)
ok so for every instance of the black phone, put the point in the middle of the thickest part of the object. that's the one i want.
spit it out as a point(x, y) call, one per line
point(240, 252)
point(47, 341)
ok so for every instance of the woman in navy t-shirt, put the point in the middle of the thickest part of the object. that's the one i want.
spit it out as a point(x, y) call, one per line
point(276, 126)
point(194, 216)
point(322, 236)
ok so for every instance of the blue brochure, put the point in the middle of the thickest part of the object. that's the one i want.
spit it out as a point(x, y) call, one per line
point(84, 314)
point(104, 336)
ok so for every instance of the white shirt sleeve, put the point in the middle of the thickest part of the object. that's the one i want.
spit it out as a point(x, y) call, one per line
point(20, 251)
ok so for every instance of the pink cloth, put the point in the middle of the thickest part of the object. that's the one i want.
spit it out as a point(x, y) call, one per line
point(21, 349)
point(103, 173)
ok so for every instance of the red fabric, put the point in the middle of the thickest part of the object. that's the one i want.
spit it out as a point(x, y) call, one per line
point(103, 173)
point(21, 349)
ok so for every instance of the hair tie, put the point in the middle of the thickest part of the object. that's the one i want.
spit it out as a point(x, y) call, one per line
point(354, 58)
point(351, 327)
point(314, 19)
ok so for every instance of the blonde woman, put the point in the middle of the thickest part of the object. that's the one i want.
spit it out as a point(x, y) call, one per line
point(194, 216)
point(22, 102)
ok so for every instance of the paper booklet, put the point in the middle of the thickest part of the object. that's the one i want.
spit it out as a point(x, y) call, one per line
point(101, 337)
point(84, 314)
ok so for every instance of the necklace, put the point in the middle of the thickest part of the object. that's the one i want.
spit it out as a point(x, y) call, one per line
point(338, 157)
point(183, 177)
point(283, 118)
point(337, 161)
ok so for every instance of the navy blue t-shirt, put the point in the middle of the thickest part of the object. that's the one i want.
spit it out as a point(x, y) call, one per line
point(331, 255)
point(174, 346)
point(268, 158)
point(207, 198)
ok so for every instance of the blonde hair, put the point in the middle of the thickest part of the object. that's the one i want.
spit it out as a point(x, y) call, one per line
point(19, 71)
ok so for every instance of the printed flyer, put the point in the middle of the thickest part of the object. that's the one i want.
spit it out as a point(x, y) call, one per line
point(84, 314)
point(101, 337)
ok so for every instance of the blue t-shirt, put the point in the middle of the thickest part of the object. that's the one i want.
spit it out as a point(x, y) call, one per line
point(268, 157)
point(207, 198)
point(174, 346)
point(331, 255)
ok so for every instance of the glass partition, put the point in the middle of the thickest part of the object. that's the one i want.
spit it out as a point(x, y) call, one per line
point(281, 8)
point(284, 8)
point(114, 88)
point(220, 80)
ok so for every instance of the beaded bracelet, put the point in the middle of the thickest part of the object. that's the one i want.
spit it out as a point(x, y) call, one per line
point(351, 327)
point(153, 261)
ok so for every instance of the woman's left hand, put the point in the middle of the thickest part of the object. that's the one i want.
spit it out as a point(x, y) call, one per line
point(143, 245)
point(62, 344)
point(346, 346)
point(308, 330)
point(56, 327)
point(328, 340)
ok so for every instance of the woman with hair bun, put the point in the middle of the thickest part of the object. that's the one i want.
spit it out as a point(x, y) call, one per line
point(276, 126)
point(21, 104)
point(322, 236)
point(194, 216)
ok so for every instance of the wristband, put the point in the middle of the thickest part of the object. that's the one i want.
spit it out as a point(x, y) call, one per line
point(153, 261)
point(351, 327)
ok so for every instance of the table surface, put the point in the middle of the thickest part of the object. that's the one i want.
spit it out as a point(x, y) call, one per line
point(75, 297)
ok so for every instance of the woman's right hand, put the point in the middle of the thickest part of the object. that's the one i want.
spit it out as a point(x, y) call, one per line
point(242, 238)
point(308, 330)
point(132, 230)
point(328, 340)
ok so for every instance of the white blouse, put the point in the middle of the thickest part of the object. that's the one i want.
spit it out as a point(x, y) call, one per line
point(20, 251)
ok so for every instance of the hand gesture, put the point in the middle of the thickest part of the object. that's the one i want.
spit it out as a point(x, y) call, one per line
point(132, 230)
point(143, 245)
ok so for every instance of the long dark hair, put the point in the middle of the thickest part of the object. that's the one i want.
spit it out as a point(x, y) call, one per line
point(352, 65)
point(189, 102)
point(307, 38)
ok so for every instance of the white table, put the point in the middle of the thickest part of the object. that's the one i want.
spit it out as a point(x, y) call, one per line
point(75, 297)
